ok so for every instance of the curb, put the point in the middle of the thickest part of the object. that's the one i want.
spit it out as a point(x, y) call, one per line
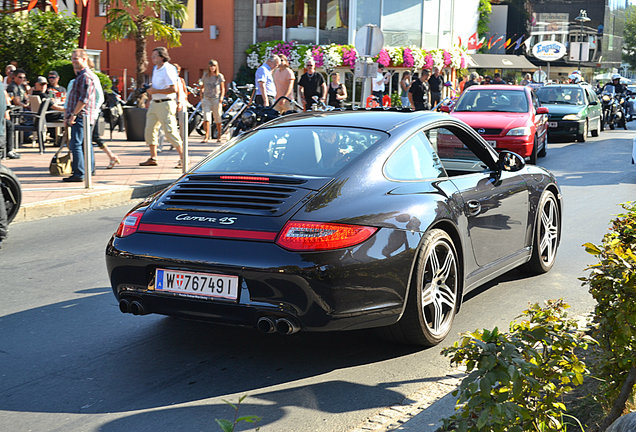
point(86, 201)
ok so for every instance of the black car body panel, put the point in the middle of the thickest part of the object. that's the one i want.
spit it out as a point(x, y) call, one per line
point(230, 227)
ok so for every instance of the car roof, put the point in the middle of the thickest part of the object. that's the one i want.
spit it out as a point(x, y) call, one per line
point(383, 120)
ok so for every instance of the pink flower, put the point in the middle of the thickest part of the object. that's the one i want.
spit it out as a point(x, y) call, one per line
point(349, 57)
point(408, 61)
point(448, 59)
point(428, 62)
point(462, 64)
point(316, 53)
point(384, 59)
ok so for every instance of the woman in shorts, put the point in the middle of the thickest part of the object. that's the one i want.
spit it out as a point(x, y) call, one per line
point(213, 92)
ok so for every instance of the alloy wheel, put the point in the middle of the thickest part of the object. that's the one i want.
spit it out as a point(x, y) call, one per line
point(549, 231)
point(439, 293)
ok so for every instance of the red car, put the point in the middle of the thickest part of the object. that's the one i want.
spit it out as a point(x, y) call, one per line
point(507, 117)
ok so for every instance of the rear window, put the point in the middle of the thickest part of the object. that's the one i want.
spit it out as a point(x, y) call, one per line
point(315, 151)
point(488, 100)
point(561, 95)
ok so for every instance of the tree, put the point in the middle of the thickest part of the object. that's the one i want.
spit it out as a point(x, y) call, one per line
point(141, 19)
point(38, 40)
point(629, 43)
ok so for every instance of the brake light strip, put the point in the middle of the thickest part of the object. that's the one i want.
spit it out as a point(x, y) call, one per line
point(208, 232)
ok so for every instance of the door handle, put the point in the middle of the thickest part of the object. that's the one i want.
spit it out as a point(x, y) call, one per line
point(473, 207)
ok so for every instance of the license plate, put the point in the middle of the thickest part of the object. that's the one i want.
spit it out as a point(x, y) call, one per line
point(492, 143)
point(553, 124)
point(192, 284)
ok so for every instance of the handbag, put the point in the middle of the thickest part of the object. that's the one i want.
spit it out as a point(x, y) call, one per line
point(61, 165)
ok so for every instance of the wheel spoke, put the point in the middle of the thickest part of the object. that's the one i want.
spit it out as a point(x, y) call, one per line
point(447, 267)
point(427, 294)
point(437, 316)
point(434, 261)
point(447, 296)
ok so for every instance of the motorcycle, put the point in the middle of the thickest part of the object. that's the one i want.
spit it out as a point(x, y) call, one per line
point(251, 115)
point(613, 114)
point(11, 192)
point(232, 102)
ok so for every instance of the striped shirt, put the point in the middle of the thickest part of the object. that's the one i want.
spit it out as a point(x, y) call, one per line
point(83, 91)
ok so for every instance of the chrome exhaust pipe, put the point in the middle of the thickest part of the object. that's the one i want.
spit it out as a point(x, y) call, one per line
point(265, 325)
point(137, 308)
point(124, 305)
point(286, 326)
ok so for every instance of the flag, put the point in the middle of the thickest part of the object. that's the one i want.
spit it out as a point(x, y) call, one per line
point(518, 43)
point(472, 42)
point(500, 38)
point(32, 4)
point(527, 42)
point(507, 43)
point(490, 41)
point(481, 43)
point(460, 40)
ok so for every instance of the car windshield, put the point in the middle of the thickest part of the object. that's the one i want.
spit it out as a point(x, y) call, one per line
point(561, 95)
point(488, 100)
point(312, 151)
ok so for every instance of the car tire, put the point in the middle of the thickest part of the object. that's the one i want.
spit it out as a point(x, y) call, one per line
point(544, 149)
point(547, 234)
point(434, 294)
point(534, 154)
point(581, 137)
point(599, 126)
point(10, 192)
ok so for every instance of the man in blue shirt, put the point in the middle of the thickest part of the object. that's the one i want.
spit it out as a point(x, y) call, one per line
point(265, 87)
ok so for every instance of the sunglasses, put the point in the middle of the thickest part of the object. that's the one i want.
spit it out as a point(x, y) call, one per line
point(21, 77)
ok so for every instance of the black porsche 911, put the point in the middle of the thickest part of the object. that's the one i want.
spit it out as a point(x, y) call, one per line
point(338, 221)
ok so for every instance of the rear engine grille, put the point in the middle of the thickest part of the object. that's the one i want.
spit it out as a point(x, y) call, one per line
point(212, 193)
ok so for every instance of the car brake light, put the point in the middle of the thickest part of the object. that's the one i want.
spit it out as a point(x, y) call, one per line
point(129, 224)
point(312, 236)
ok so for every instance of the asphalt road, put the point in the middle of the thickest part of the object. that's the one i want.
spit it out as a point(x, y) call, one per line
point(70, 361)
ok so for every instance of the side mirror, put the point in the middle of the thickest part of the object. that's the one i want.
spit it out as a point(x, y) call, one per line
point(445, 109)
point(593, 103)
point(510, 161)
point(542, 110)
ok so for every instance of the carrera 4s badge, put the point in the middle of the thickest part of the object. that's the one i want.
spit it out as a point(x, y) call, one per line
point(222, 221)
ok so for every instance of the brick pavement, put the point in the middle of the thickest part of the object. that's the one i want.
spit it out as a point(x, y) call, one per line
point(44, 195)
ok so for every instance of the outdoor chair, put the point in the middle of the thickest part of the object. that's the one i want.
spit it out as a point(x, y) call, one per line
point(37, 125)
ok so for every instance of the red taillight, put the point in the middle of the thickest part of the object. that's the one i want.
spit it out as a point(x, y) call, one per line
point(308, 236)
point(129, 224)
point(244, 178)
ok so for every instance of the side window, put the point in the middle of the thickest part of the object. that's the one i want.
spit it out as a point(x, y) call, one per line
point(414, 160)
point(535, 101)
point(455, 156)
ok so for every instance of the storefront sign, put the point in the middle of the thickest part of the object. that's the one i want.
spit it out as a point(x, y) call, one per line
point(548, 50)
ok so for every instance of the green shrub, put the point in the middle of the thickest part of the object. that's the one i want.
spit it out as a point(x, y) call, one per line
point(515, 380)
point(105, 81)
point(612, 283)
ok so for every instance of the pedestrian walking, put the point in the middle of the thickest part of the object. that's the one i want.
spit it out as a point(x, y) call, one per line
point(284, 81)
point(473, 79)
point(81, 107)
point(378, 84)
point(163, 106)
point(265, 86)
point(405, 84)
point(419, 92)
point(213, 91)
point(311, 84)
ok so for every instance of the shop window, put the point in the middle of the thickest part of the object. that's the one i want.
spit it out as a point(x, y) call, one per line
point(368, 12)
point(402, 22)
point(269, 20)
point(301, 20)
point(334, 21)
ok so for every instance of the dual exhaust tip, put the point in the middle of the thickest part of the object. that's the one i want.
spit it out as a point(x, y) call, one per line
point(135, 307)
point(283, 326)
point(264, 324)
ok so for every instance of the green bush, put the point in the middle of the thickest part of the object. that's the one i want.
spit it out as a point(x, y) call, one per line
point(515, 380)
point(105, 81)
point(612, 283)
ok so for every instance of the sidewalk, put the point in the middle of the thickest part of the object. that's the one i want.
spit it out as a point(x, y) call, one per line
point(44, 195)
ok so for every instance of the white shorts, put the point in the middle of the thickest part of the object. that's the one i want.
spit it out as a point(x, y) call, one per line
point(212, 108)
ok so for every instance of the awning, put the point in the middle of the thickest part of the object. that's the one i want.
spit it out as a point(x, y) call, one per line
point(500, 61)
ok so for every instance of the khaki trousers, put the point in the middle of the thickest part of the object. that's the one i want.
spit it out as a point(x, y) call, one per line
point(162, 114)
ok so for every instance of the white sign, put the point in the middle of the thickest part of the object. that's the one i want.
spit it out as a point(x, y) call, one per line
point(539, 76)
point(548, 50)
point(369, 40)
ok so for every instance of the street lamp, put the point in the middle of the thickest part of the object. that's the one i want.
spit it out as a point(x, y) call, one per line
point(582, 18)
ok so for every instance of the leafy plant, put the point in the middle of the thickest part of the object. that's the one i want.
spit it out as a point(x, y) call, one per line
point(485, 9)
point(612, 283)
point(139, 20)
point(36, 39)
point(227, 425)
point(516, 379)
point(105, 81)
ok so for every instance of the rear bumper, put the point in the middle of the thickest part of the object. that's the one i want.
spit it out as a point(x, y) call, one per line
point(359, 287)
point(569, 128)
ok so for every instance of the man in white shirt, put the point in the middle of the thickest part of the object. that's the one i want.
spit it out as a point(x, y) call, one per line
point(163, 106)
point(378, 83)
point(265, 86)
